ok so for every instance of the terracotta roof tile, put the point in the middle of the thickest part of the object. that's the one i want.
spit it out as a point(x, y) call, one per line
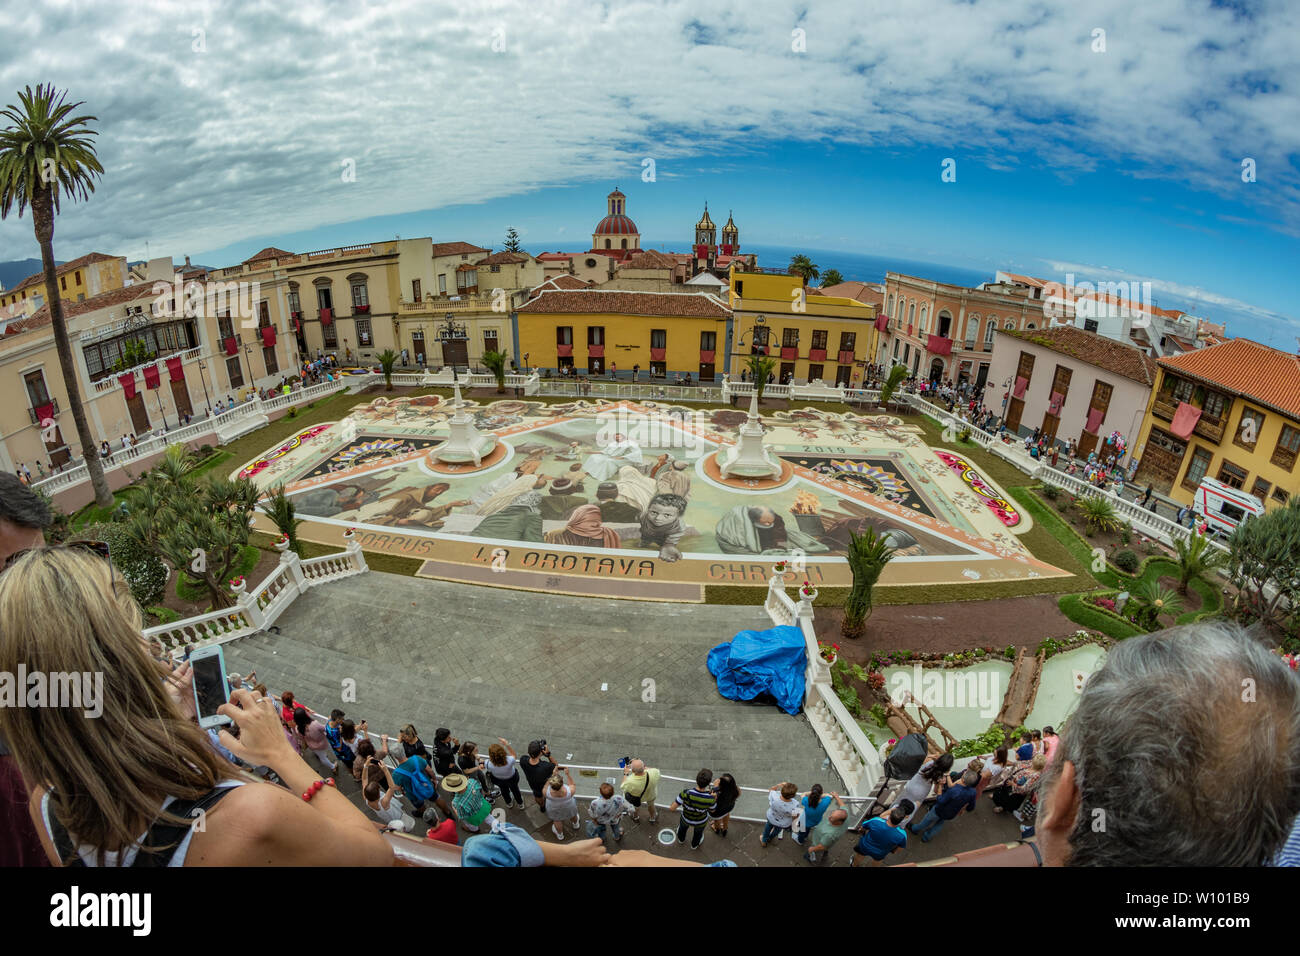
point(1269, 376)
point(1117, 357)
point(455, 249)
point(650, 259)
point(504, 258)
point(38, 278)
point(270, 252)
point(861, 291)
point(680, 304)
point(41, 317)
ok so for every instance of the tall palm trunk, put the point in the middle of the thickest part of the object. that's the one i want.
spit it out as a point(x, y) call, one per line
point(43, 220)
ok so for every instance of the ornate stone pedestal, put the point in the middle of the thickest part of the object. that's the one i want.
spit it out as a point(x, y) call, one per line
point(465, 443)
point(749, 457)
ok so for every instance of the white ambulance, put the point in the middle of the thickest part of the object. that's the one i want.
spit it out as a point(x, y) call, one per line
point(1224, 507)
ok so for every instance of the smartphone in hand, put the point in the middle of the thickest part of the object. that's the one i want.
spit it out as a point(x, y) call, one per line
point(211, 688)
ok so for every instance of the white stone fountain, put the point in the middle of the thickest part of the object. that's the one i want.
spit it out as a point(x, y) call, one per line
point(750, 457)
point(465, 443)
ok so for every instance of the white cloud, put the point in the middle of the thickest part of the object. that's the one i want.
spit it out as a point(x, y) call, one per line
point(247, 138)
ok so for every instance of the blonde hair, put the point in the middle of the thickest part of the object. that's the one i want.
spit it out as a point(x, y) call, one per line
point(65, 611)
point(1039, 762)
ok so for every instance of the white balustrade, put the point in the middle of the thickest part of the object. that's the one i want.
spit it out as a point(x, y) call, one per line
point(257, 608)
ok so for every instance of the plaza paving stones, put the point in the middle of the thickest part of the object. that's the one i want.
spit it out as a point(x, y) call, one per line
point(486, 663)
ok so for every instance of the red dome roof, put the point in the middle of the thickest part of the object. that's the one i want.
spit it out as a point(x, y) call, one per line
point(615, 226)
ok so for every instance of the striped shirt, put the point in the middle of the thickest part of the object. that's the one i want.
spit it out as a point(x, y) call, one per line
point(696, 805)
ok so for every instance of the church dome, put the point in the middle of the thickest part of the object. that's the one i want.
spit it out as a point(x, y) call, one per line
point(615, 226)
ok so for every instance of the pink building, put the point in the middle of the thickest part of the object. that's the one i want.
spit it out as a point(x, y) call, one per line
point(1070, 384)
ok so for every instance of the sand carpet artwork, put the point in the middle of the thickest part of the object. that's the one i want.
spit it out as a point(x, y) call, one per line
point(632, 491)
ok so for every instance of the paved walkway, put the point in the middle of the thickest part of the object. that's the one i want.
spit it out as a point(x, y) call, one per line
point(599, 679)
point(522, 665)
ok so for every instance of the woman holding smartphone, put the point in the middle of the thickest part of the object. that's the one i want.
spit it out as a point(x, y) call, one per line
point(135, 769)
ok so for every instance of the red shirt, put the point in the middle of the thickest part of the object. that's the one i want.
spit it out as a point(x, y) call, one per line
point(444, 831)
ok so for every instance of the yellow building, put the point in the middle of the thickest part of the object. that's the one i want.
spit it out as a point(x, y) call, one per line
point(604, 331)
point(811, 336)
point(80, 279)
point(1229, 412)
point(438, 303)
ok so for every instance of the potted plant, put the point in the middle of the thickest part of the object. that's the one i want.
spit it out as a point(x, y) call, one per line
point(237, 584)
point(829, 652)
point(807, 592)
point(349, 534)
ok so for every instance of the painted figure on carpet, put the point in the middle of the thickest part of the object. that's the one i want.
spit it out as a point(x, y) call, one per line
point(750, 529)
point(661, 525)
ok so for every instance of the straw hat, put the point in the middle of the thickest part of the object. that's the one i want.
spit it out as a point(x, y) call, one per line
point(454, 782)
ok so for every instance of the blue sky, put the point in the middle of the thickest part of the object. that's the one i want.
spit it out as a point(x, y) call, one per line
point(822, 127)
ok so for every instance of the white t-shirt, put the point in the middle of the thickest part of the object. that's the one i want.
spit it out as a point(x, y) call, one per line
point(502, 773)
point(781, 812)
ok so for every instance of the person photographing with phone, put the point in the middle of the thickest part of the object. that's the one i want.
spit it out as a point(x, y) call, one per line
point(640, 784)
point(138, 775)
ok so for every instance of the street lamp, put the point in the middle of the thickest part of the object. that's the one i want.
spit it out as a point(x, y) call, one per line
point(202, 378)
point(248, 360)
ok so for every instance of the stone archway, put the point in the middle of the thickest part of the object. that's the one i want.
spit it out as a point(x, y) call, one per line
point(936, 370)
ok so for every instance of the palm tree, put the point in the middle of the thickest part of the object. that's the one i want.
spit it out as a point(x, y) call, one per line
point(281, 511)
point(495, 362)
point(1150, 601)
point(892, 381)
point(387, 359)
point(760, 370)
point(868, 553)
point(804, 268)
point(1098, 514)
point(45, 152)
point(831, 277)
point(1197, 561)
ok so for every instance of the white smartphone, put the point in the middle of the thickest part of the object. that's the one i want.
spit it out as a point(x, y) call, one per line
point(211, 688)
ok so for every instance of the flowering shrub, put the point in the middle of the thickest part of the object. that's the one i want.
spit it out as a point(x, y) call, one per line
point(876, 680)
point(1106, 604)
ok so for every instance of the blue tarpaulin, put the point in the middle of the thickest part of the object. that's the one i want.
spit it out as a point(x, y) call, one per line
point(762, 662)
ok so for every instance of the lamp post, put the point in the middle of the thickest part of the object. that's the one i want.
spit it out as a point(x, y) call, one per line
point(248, 360)
point(207, 402)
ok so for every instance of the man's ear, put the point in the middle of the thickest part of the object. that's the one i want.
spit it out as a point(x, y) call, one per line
point(1058, 815)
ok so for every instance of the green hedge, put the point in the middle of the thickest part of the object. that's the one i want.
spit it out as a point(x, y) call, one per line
point(1085, 614)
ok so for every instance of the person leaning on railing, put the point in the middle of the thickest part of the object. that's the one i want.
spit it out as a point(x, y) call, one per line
point(119, 788)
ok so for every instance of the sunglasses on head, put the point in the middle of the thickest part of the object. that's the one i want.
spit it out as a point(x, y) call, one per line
point(94, 547)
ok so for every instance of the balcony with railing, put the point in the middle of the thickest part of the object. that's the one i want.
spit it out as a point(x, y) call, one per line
point(53, 404)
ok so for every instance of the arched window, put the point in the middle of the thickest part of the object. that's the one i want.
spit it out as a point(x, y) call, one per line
point(624, 243)
point(890, 309)
point(607, 245)
point(1029, 326)
point(923, 327)
point(1009, 324)
point(911, 312)
point(988, 332)
point(972, 329)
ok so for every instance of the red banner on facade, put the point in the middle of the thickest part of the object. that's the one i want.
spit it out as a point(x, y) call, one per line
point(657, 355)
point(128, 385)
point(151, 376)
point(268, 335)
point(564, 351)
point(326, 316)
point(1022, 383)
point(882, 322)
point(176, 368)
point(44, 413)
point(232, 346)
point(1185, 419)
point(846, 357)
point(817, 355)
point(939, 345)
point(596, 351)
point(706, 356)
point(789, 353)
